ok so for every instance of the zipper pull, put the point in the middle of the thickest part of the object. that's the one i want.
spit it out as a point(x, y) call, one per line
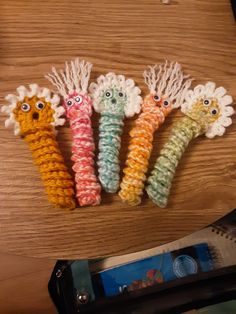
point(60, 271)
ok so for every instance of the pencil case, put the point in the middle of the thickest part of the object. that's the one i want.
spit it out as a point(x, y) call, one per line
point(141, 286)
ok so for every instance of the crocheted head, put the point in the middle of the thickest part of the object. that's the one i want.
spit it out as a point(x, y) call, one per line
point(33, 109)
point(72, 84)
point(116, 95)
point(167, 85)
point(209, 106)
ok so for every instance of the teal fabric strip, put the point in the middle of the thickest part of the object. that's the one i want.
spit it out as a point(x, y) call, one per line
point(82, 278)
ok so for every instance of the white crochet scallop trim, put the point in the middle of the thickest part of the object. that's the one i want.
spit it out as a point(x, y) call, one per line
point(127, 86)
point(74, 77)
point(168, 80)
point(209, 90)
point(34, 90)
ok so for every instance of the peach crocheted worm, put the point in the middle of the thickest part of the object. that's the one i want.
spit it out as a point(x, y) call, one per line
point(207, 111)
point(167, 85)
point(34, 113)
point(72, 84)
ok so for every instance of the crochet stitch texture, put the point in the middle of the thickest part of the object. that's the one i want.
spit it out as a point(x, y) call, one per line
point(114, 97)
point(208, 111)
point(167, 85)
point(72, 84)
point(34, 113)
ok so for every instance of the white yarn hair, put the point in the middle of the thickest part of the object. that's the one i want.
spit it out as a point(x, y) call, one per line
point(75, 77)
point(34, 90)
point(168, 80)
point(224, 101)
point(127, 86)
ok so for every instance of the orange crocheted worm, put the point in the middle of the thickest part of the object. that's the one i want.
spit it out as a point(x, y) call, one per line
point(167, 85)
point(34, 114)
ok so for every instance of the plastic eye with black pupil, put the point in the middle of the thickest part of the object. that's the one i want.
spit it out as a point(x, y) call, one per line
point(156, 98)
point(69, 102)
point(214, 111)
point(40, 105)
point(25, 107)
point(206, 102)
point(108, 94)
point(166, 103)
point(78, 99)
point(121, 94)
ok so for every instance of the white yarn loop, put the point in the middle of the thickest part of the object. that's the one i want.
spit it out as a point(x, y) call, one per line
point(209, 90)
point(75, 77)
point(168, 80)
point(127, 86)
point(34, 90)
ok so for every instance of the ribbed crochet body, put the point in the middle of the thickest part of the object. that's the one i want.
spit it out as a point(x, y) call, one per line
point(47, 156)
point(159, 182)
point(140, 148)
point(88, 190)
point(110, 130)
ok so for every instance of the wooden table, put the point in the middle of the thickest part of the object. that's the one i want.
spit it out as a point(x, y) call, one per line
point(23, 285)
point(122, 36)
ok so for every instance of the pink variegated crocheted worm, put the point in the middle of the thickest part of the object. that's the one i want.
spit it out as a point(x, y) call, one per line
point(72, 84)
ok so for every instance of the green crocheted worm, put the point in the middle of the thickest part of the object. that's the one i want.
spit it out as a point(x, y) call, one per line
point(208, 111)
point(110, 130)
point(115, 98)
point(159, 182)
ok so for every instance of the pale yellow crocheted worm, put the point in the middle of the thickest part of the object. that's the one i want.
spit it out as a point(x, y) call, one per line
point(208, 111)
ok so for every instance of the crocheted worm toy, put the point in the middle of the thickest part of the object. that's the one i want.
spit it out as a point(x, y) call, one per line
point(34, 113)
point(167, 85)
point(114, 97)
point(72, 84)
point(207, 110)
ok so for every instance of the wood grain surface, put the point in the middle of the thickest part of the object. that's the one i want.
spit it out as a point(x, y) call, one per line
point(23, 285)
point(123, 36)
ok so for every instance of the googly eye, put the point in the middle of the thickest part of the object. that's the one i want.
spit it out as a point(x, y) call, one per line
point(206, 102)
point(156, 98)
point(108, 94)
point(78, 99)
point(25, 107)
point(40, 105)
point(214, 111)
point(69, 102)
point(121, 94)
point(166, 103)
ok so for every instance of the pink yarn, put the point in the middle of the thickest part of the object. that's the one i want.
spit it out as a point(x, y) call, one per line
point(79, 110)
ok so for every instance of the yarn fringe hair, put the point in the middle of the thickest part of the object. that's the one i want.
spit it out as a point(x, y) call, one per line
point(168, 79)
point(75, 77)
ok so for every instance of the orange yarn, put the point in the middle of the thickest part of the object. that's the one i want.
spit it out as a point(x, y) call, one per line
point(140, 149)
point(57, 181)
point(35, 117)
point(167, 85)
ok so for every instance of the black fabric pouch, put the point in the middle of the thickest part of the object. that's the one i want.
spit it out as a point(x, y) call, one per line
point(72, 291)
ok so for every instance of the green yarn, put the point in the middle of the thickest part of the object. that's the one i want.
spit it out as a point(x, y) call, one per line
point(159, 182)
point(110, 130)
point(114, 102)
